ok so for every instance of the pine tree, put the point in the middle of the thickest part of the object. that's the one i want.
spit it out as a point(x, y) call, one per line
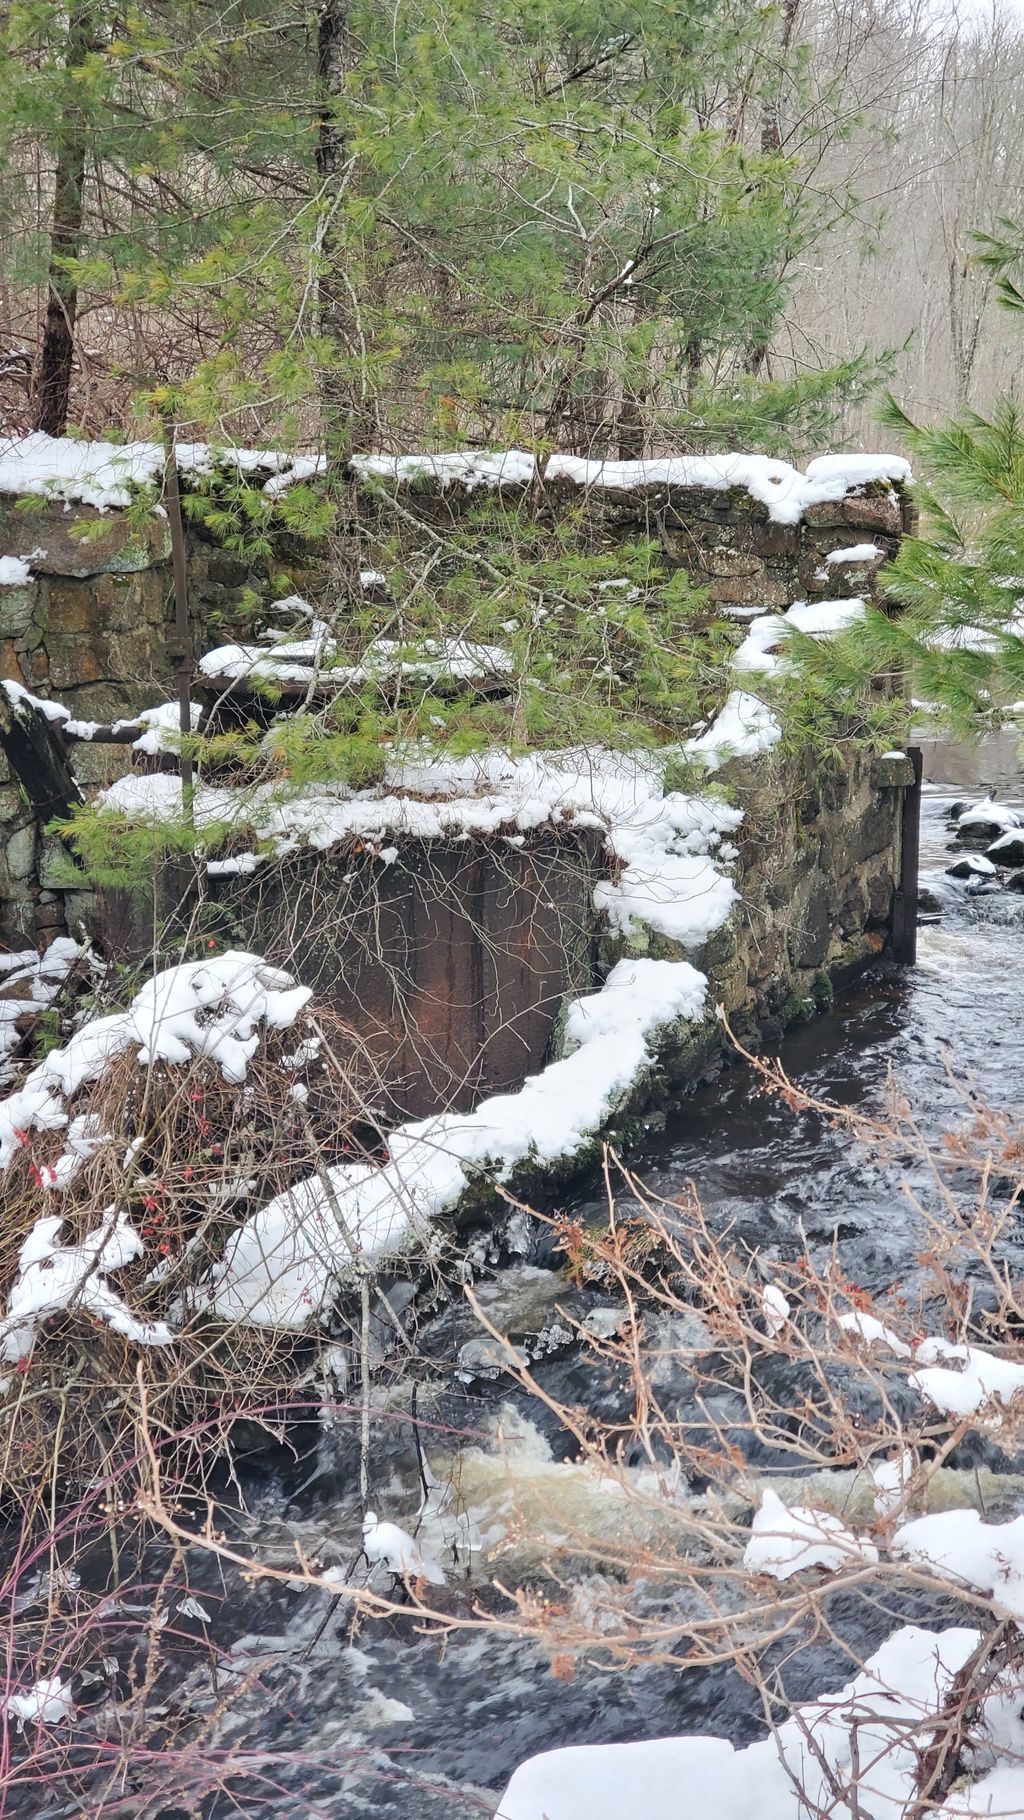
point(956, 643)
point(536, 225)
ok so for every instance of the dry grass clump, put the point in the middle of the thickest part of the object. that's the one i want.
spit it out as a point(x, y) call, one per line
point(186, 1156)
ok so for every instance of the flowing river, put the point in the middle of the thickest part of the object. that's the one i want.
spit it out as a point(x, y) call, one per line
point(388, 1723)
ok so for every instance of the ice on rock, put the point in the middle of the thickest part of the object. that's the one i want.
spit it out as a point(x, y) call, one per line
point(388, 1545)
point(999, 816)
point(972, 865)
point(48, 1702)
point(787, 1539)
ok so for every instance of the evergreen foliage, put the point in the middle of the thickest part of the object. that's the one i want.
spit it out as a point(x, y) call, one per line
point(540, 225)
point(957, 642)
point(544, 226)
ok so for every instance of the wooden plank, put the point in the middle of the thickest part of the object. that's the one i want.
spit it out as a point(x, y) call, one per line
point(35, 751)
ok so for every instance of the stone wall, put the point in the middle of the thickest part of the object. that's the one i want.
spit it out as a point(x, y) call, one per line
point(454, 962)
point(723, 537)
point(818, 855)
point(90, 630)
point(819, 863)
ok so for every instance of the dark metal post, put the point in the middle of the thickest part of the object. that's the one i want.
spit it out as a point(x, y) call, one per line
point(904, 908)
point(180, 653)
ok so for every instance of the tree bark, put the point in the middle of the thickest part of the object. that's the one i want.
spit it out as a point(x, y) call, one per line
point(756, 353)
point(632, 427)
point(52, 387)
point(347, 421)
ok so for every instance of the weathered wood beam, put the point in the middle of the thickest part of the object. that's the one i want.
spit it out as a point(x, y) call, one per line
point(34, 749)
point(102, 736)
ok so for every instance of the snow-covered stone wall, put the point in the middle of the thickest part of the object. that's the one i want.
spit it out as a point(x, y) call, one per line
point(455, 958)
point(85, 602)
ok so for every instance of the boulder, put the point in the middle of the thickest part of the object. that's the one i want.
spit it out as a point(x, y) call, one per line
point(979, 826)
point(1015, 882)
point(973, 865)
point(1008, 850)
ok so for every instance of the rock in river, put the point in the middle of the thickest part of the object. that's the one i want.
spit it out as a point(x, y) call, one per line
point(1008, 850)
point(973, 865)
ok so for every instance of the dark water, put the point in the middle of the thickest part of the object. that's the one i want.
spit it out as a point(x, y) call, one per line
point(471, 1712)
point(389, 1724)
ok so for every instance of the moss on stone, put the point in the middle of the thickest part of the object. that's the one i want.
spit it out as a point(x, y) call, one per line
point(822, 991)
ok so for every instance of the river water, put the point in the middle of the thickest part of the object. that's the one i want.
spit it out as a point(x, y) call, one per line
point(391, 1724)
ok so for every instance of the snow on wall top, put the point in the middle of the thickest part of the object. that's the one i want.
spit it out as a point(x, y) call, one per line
point(102, 474)
point(668, 845)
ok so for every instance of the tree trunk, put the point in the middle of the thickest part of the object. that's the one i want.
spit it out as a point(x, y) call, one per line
point(771, 119)
point(632, 428)
point(347, 418)
point(34, 750)
point(694, 362)
point(755, 354)
point(52, 388)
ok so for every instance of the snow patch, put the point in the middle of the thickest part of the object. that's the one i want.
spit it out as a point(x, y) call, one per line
point(744, 728)
point(972, 1381)
point(204, 1009)
point(854, 552)
point(162, 726)
point(664, 845)
point(856, 1749)
point(31, 982)
point(788, 1539)
point(998, 814)
point(281, 1267)
point(776, 1309)
point(959, 1544)
point(52, 1276)
point(104, 474)
point(19, 696)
